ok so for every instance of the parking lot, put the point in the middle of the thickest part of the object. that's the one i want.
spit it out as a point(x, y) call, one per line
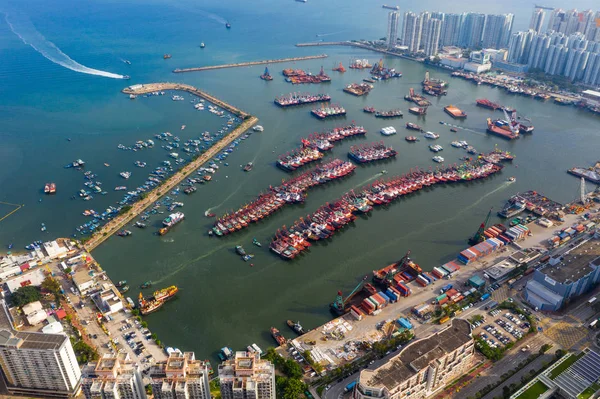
point(500, 327)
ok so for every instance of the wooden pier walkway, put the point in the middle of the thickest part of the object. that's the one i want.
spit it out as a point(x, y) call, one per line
point(120, 221)
point(251, 63)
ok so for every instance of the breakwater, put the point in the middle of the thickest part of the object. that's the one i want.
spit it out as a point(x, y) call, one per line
point(152, 196)
point(250, 63)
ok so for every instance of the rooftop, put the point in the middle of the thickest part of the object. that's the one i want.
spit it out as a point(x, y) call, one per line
point(501, 269)
point(418, 355)
point(574, 264)
point(25, 340)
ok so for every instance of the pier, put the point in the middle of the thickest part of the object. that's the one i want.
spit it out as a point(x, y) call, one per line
point(152, 196)
point(251, 63)
point(358, 45)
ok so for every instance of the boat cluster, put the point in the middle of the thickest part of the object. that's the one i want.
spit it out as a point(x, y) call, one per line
point(329, 111)
point(289, 242)
point(393, 113)
point(289, 192)
point(323, 141)
point(300, 98)
point(139, 145)
point(435, 147)
point(371, 152)
point(298, 157)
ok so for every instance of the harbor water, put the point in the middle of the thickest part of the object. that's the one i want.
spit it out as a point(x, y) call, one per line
point(223, 300)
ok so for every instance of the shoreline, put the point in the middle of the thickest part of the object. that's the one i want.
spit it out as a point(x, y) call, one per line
point(155, 194)
point(249, 63)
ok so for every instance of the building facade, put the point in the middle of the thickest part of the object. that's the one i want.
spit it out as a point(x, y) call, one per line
point(411, 33)
point(537, 20)
point(247, 376)
point(451, 29)
point(180, 376)
point(422, 368)
point(472, 31)
point(432, 37)
point(392, 29)
point(497, 31)
point(113, 377)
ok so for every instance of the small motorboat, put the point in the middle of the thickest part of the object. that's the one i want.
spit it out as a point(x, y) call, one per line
point(146, 284)
point(512, 179)
point(255, 242)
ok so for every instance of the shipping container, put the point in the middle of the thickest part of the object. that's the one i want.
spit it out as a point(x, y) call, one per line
point(443, 301)
point(407, 276)
point(375, 304)
point(485, 296)
point(379, 299)
point(439, 298)
point(445, 288)
point(405, 323)
point(426, 277)
point(384, 296)
point(404, 289)
point(368, 309)
point(421, 281)
point(356, 313)
point(395, 291)
point(392, 295)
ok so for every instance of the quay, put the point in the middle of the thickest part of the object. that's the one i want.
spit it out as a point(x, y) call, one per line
point(251, 63)
point(152, 196)
point(359, 45)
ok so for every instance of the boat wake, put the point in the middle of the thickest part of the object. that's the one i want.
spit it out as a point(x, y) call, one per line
point(21, 26)
point(362, 183)
point(206, 14)
point(330, 34)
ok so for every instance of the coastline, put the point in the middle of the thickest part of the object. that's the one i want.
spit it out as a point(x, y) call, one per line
point(152, 196)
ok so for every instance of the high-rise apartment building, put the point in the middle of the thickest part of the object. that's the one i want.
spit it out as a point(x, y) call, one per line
point(392, 29)
point(519, 47)
point(451, 30)
point(497, 31)
point(433, 31)
point(411, 36)
point(421, 368)
point(472, 30)
point(247, 376)
point(113, 377)
point(537, 20)
point(180, 376)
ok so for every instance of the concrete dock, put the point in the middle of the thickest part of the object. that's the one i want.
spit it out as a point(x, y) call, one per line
point(152, 196)
point(251, 63)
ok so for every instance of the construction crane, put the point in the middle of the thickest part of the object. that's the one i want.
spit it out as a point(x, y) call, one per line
point(340, 304)
point(479, 236)
point(389, 277)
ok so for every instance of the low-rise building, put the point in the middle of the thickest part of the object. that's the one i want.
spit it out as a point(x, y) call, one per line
point(564, 276)
point(34, 313)
point(84, 280)
point(33, 277)
point(180, 376)
point(108, 300)
point(421, 368)
point(247, 376)
point(477, 67)
point(454, 62)
point(113, 377)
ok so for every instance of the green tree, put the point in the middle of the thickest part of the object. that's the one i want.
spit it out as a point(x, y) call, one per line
point(292, 369)
point(24, 295)
point(293, 389)
point(51, 285)
point(148, 389)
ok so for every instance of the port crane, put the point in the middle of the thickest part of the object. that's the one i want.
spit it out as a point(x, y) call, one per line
point(479, 236)
point(339, 306)
point(389, 277)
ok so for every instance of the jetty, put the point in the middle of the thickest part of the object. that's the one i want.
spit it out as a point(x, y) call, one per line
point(250, 63)
point(154, 87)
point(121, 220)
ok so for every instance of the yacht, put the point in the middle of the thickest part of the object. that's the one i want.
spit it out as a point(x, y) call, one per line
point(258, 128)
point(438, 159)
point(431, 135)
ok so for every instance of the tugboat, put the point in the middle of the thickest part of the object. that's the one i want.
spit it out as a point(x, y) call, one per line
point(277, 336)
point(296, 327)
point(248, 167)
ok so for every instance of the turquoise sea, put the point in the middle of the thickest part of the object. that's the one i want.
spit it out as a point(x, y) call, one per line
point(224, 301)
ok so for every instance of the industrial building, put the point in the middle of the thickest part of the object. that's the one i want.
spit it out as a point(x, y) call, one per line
point(113, 377)
point(180, 376)
point(37, 364)
point(564, 276)
point(247, 376)
point(421, 368)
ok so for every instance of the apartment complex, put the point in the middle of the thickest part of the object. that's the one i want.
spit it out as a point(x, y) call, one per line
point(422, 367)
point(180, 376)
point(247, 376)
point(113, 377)
point(392, 30)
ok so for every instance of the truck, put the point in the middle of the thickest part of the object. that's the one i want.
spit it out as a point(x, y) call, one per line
point(350, 386)
point(446, 288)
point(485, 296)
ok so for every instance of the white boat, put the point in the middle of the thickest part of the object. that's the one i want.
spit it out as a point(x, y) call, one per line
point(258, 128)
point(177, 98)
point(132, 96)
point(125, 175)
point(438, 159)
point(431, 135)
point(456, 144)
point(436, 148)
point(202, 45)
point(388, 131)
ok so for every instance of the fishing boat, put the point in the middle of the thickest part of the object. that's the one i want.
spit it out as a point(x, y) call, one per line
point(166, 56)
point(50, 188)
point(125, 175)
point(141, 225)
point(146, 284)
point(255, 242)
point(394, 113)
point(371, 152)
point(209, 214)
point(123, 289)
point(414, 126)
point(121, 283)
point(369, 110)
point(124, 233)
point(297, 327)
point(240, 250)
point(248, 167)
point(410, 139)
point(247, 257)
point(438, 159)
point(280, 339)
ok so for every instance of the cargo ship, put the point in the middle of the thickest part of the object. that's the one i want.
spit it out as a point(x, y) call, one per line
point(328, 111)
point(414, 126)
point(371, 152)
point(396, 8)
point(266, 75)
point(434, 87)
point(292, 99)
point(155, 302)
point(297, 327)
point(50, 188)
point(455, 112)
point(485, 103)
point(402, 271)
point(358, 89)
point(393, 113)
point(591, 174)
point(280, 339)
point(502, 129)
point(171, 221)
point(418, 110)
point(513, 207)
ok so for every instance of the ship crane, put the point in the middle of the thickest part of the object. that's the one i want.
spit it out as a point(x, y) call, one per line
point(389, 277)
point(479, 235)
point(339, 305)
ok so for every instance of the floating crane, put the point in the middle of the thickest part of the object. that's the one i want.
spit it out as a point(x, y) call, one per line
point(389, 277)
point(479, 236)
point(341, 304)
